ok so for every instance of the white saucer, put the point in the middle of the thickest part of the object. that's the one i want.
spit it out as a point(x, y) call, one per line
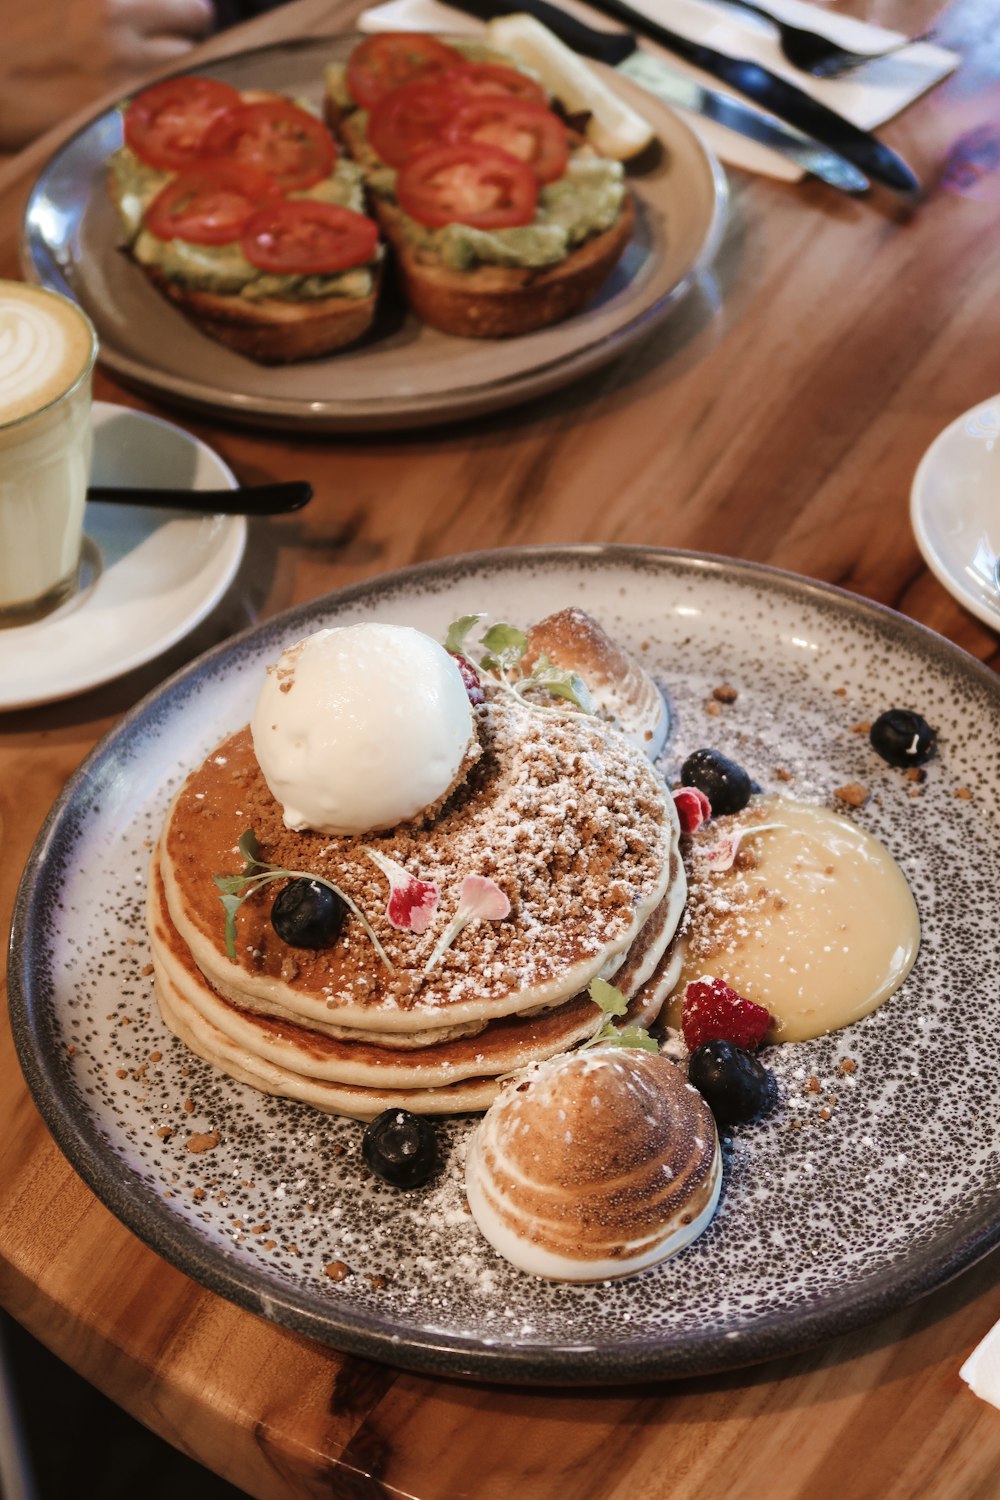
point(955, 509)
point(147, 576)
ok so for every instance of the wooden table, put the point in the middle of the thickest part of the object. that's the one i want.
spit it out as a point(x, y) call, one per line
point(784, 427)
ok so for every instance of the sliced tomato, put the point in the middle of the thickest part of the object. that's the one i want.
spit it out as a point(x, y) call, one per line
point(467, 184)
point(209, 203)
point(411, 118)
point(287, 142)
point(300, 237)
point(476, 78)
point(166, 124)
point(384, 61)
point(529, 131)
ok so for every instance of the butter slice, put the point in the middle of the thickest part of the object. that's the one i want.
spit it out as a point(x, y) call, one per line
point(614, 129)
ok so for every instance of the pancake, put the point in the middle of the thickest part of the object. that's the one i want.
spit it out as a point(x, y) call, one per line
point(563, 819)
point(570, 821)
point(290, 1058)
point(596, 1164)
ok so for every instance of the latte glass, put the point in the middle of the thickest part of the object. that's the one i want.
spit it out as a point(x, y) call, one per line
point(47, 352)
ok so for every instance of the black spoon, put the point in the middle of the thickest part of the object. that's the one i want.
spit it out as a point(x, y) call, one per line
point(248, 500)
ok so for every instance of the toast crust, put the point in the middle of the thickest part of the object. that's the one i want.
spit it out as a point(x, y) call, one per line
point(272, 331)
point(498, 302)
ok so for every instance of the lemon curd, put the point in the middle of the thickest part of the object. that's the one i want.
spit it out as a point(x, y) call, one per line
point(814, 919)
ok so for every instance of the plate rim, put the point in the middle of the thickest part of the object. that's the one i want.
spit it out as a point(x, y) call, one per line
point(369, 413)
point(368, 1335)
point(235, 541)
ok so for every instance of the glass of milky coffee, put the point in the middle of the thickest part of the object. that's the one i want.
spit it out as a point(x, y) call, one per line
point(47, 352)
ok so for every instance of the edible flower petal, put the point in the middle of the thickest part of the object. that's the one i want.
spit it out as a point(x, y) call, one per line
point(479, 899)
point(412, 902)
point(721, 856)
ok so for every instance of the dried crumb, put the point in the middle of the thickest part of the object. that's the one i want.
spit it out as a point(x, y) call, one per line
point(963, 793)
point(861, 727)
point(847, 1065)
point(725, 693)
point(712, 708)
point(813, 1084)
point(853, 793)
point(203, 1141)
point(337, 1270)
point(782, 774)
point(916, 773)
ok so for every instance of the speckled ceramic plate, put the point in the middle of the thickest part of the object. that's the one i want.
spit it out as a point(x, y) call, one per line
point(403, 374)
point(823, 1225)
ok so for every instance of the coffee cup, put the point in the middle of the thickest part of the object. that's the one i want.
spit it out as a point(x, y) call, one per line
point(47, 352)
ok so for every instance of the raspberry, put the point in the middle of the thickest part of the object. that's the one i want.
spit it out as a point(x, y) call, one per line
point(693, 808)
point(473, 686)
point(713, 1012)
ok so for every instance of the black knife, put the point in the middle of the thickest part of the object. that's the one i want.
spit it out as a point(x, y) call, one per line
point(620, 50)
point(766, 89)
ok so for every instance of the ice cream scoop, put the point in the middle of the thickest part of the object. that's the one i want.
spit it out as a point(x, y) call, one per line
point(360, 727)
point(595, 1164)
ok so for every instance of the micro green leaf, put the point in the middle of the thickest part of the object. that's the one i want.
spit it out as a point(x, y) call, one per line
point(560, 683)
point(249, 847)
point(610, 999)
point(505, 644)
point(454, 641)
point(631, 1036)
point(234, 890)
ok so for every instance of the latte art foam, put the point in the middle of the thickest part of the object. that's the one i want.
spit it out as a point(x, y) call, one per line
point(45, 347)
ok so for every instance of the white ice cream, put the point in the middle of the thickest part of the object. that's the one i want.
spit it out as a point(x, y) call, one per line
point(361, 727)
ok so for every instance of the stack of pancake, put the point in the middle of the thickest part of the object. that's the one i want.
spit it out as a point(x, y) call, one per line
point(561, 810)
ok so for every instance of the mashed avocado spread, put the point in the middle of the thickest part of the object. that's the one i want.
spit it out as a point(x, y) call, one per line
point(223, 269)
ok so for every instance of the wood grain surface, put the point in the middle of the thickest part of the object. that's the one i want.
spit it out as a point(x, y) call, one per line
point(779, 415)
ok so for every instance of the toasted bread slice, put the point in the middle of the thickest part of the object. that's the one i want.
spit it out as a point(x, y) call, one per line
point(498, 302)
point(271, 331)
point(488, 302)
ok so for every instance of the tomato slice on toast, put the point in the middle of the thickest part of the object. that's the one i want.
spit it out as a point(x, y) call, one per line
point(301, 237)
point(209, 203)
point(527, 130)
point(289, 143)
point(411, 118)
point(166, 124)
point(491, 79)
point(467, 183)
point(390, 58)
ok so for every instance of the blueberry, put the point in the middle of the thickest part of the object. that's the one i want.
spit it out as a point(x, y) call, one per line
point(902, 738)
point(726, 785)
point(734, 1085)
point(307, 914)
point(400, 1148)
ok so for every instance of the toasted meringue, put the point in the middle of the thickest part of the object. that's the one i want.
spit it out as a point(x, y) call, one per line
point(619, 684)
point(596, 1164)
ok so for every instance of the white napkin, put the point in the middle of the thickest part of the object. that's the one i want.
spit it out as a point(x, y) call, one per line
point(867, 98)
point(981, 1371)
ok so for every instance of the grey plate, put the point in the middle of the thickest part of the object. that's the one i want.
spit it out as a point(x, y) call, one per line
point(822, 1227)
point(403, 374)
